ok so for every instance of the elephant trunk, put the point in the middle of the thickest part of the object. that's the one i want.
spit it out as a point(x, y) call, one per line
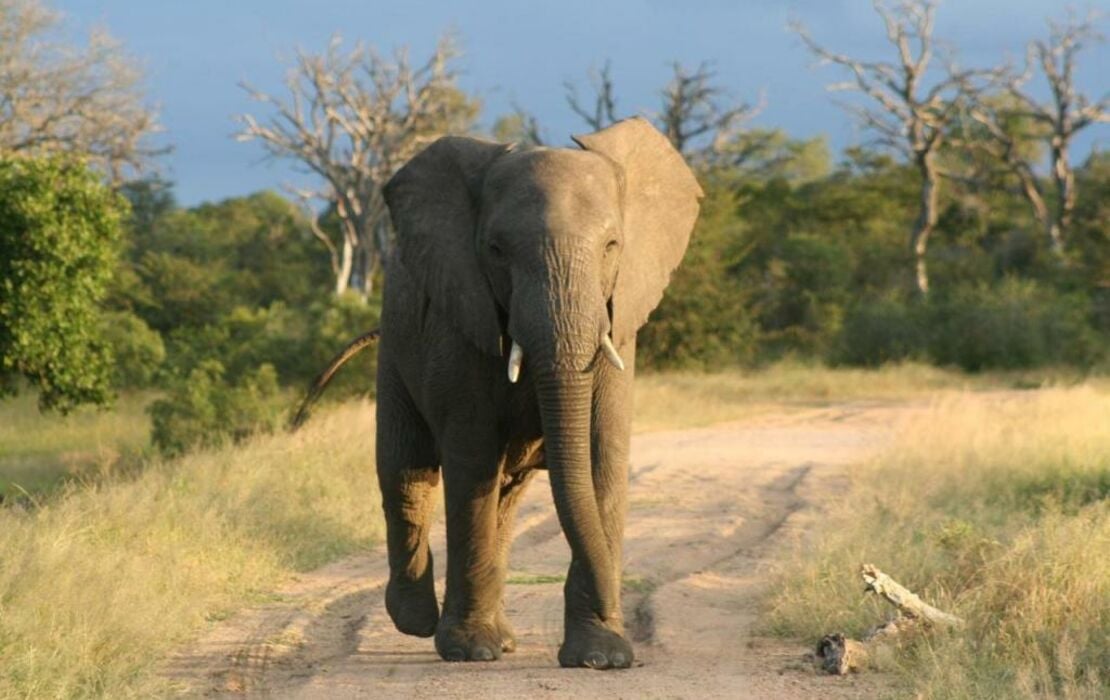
point(565, 399)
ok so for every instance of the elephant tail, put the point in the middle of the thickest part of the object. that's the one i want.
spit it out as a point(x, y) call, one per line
point(324, 378)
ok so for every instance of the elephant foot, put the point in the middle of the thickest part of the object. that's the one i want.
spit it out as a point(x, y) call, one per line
point(508, 638)
point(592, 645)
point(459, 641)
point(412, 605)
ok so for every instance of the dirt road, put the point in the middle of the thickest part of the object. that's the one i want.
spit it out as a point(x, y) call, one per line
point(709, 510)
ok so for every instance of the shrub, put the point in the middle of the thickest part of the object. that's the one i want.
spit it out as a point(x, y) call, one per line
point(137, 349)
point(203, 409)
point(60, 230)
point(332, 324)
point(1013, 325)
point(879, 331)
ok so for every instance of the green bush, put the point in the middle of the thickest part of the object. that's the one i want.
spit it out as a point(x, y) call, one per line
point(1015, 324)
point(138, 350)
point(60, 231)
point(202, 409)
point(333, 323)
point(878, 331)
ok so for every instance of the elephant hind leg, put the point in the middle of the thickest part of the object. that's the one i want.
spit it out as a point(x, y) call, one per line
point(512, 489)
point(408, 474)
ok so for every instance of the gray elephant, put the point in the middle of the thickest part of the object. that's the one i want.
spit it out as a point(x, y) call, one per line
point(508, 337)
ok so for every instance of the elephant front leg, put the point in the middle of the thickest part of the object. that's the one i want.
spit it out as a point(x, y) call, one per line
point(591, 640)
point(407, 476)
point(468, 629)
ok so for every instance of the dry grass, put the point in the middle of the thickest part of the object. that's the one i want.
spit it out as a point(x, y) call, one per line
point(102, 579)
point(38, 451)
point(688, 399)
point(997, 510)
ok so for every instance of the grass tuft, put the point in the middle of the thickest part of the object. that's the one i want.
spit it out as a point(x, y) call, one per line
point(996, 511)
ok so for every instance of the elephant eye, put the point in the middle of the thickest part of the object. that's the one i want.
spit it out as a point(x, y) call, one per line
point(495, 250)
point(612, 245)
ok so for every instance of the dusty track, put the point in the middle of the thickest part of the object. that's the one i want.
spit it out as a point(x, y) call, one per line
point(709, 510)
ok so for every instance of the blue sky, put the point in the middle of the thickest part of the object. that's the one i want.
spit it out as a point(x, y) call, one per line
point(196, 52)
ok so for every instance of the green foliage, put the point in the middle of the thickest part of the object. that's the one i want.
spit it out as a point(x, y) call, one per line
point(204, 409)
point(137, 349)
point(193, 266)
point(880, 330)
point(59, 237)
point(1014, 325)
point(703, 320)
point(817, 266)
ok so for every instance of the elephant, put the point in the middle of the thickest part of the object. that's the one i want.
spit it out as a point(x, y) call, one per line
point(508, 339)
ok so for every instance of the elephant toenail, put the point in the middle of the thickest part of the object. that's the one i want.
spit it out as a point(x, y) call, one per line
point(619, 660)
point(455, 654)
point(481, 654)
point(595, 659)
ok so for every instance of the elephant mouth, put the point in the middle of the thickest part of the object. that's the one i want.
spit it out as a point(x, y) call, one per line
point(606, 347)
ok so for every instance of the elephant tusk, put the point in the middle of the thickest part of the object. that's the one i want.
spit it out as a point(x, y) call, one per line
point(516, 356)
point(611, 353)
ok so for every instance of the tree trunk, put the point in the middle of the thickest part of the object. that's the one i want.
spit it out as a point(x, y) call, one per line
point(1032, 193)
point(346, 260)
point(926, 219)
point(1064, 178)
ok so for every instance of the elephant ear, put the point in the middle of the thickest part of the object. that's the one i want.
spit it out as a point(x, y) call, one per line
point(660, 207)
point(433, 201)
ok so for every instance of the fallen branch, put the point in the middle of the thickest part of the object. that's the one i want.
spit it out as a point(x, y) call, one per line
point(908, 603)
point(840, 655)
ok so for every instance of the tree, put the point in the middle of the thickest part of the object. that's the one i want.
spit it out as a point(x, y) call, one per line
point(56, 98)
point(693, 110)
point(520, 127)
point(60, 230)
point(352, 119)
point(692, 114)
point(909, 116)
point(1005, 143)
point(1067, 112)
point(603, 112)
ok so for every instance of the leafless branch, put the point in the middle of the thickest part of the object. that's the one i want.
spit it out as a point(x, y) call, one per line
point(907, 114)
point(1067, 112)
point(603, 111)
point(57, 98)
point(694, 107)
point(352, 118)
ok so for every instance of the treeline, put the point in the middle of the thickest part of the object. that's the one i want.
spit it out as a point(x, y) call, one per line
point(812, 264)
point(220, 306)
point(941, 241)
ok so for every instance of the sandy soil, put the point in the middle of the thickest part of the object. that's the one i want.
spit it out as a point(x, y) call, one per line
point(710, 509)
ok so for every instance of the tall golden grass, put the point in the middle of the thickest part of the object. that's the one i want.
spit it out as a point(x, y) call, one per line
point(997, 510)
point(100, 581)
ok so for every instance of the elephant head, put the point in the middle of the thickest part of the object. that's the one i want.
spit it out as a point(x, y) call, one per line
point(564, 252)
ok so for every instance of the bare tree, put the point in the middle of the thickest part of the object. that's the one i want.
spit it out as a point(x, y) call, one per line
point(603, 112)
point(353, 118)
point(58, 98)
point(1065, 114)
point(1008, 148)
point(519, 126)
point(693, 108)
point(908, 115)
